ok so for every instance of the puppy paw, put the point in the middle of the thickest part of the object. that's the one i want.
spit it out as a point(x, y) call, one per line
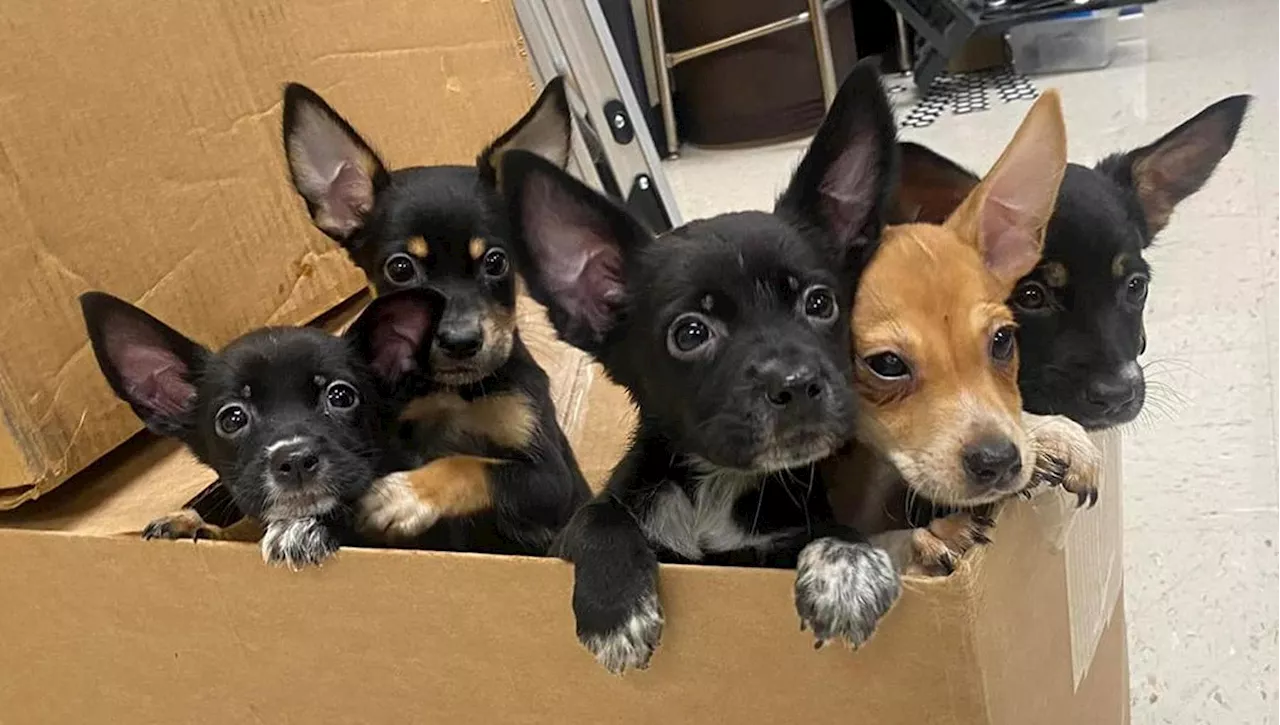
point(843, 589)
point(297, 543)
point(629, 641)
point(1065, 456)
point(185, 524)
point(392, 513)
point(937, 548)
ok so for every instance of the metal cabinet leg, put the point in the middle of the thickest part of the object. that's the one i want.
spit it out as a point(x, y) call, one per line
point(822, 47)
point(662, 69)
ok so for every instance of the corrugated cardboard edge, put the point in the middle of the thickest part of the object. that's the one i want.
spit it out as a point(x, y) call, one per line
point(1095, 570)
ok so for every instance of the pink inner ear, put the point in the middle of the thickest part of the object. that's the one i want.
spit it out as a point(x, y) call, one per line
point(1010, 247)
point(580, 264)
point(154, 378)
point(848, 190)
point(347, 200)
point(397, 334)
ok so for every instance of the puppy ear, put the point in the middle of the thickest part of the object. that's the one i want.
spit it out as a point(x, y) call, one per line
point(1180, 162)
point(334, 170)
point(572, 245)
point(148, 364)
point(545, 129)
point(1006, 214)
point(930, 186)
point(391, 330)
point(844, 181)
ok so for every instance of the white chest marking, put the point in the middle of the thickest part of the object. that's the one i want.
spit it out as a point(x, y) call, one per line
point(705, 524)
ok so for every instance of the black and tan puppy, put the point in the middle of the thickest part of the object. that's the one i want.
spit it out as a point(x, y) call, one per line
point(731, 335)
point(477, 389)
point(1079, 312)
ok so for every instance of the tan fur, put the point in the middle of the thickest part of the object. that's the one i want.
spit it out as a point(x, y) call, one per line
point(476, 248)
point(1118, 265)
point(188, 524)
point(1055, 273)
point(403, 505)
point(507, 419)
point(418, 247)
point(935, 295)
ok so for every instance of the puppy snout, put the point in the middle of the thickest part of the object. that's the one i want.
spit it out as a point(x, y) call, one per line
point(461, 342)
point(1112, 392)
point(792, 386)
point(295, 463)
point(992, 462)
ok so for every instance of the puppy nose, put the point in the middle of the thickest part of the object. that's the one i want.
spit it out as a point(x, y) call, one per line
point(460, 344)
point(787, 386)
point(992, 462)
point(1109, 393)
point(295, 463)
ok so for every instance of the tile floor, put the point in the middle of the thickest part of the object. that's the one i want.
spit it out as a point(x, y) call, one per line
point(1200, 466)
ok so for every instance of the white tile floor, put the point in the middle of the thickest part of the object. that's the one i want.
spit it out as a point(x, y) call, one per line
point(1200, 466)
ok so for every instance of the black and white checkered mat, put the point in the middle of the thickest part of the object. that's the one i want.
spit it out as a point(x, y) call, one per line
point(961, 93)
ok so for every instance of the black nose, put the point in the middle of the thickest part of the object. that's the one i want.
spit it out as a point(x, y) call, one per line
point(786, 386)
point(295, 462)
point(1107, 394)
point(460, 344)
point(992, 462)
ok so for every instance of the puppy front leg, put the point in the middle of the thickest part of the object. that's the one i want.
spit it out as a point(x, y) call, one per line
point(936, 549)
point(615, 574)
point(844, 586)
point(1065, 456)
point(401, 506)
point(298, 543)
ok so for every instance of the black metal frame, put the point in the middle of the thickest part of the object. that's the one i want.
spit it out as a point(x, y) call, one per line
point(944, 26)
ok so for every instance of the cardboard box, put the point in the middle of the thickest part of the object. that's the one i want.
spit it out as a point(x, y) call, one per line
point(140, 154)
point(103, 627)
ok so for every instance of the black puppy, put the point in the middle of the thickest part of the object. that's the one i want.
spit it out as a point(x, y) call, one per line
point(731, 335)
point(290, 418)
point(294, 421)
point(1080, 311)
point(477, 389)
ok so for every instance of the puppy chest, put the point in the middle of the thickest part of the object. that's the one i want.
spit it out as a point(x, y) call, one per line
point(708, 522)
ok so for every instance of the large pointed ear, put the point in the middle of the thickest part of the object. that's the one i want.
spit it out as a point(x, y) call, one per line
point(572, 245)
point(334, 170)
point(843, 183)
point(1006, 214)
point(930, 186)
point(148, 364)
point(389, 333)
point(545, 129)
point(1164, 173)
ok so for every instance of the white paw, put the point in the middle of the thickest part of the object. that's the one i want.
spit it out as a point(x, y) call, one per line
point(296, 543)
point(631, 644)
point(843, 589)
point(391, 512)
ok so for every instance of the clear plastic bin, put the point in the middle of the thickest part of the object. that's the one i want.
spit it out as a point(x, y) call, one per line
point(1075, 41)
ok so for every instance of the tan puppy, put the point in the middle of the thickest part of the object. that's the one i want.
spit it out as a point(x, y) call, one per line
point(936, 364)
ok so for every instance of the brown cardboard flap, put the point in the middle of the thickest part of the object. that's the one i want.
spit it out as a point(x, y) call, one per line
point(140, 154)
point(119, 494)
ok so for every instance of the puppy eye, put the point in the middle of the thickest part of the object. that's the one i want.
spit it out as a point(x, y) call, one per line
point(888, 366)
point(1136, 288)
point(400, 268)
point(231, 419)
point(495, 263)
point(341, 396)
point(1002, 344)
point(687, 334)
point(1030, 295)
point(819, 303)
